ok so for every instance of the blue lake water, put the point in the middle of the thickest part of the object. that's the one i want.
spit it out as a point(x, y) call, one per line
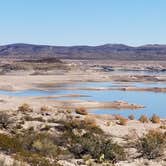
point(153, 102)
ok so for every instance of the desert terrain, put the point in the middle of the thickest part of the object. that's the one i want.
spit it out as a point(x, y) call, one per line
point(30, 96)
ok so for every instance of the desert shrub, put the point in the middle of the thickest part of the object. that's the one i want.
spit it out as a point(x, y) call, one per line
point(45, 146)
point(69, 111)
point(97, 146)
point(40, 143)
point(155, 119)
point(88, 120)
point(52, 120)
point(81, 111)
point(87, 124)
point(74, 128)
point(39, 119)
point(152, 144)
point(143, 119)
point(37, 147)
point(24, 108)
point(122, 121)
point(163, 127)
point(45, 109)
point(30, 118)
point(5, 120)
point(90, 141)
point(131, 117)
point(9, 144)
point(18, 126)
point(31, 147)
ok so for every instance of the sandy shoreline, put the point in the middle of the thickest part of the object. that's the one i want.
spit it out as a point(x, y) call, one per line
point(45, 82)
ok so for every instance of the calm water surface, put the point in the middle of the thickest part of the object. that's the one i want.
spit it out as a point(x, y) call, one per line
point(153, 102)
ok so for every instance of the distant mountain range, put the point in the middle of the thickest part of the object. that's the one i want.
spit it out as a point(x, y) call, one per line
point(107, 51)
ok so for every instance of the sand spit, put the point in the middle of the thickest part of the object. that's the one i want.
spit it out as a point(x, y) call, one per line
point(154, 89)
point(12, 102)
point(45, 82)
point(111, 105)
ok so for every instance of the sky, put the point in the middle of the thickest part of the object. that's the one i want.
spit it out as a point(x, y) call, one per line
point(83, 22)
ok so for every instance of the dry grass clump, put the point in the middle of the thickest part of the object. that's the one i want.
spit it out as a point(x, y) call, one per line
point(152, 144)
point(155, 119)
point(24, 108)
point(81, 111)
point(90, 121)
point(131, 117)
point(121, 120)
point(45, 109)
point(143, 119)
point(163, 127)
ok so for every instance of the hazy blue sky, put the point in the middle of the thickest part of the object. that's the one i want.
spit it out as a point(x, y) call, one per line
point(83, 22)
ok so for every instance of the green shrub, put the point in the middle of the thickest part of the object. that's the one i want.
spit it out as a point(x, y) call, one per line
point(31, 147)
point(91, 141)
point(40, 143)
point(152, 145)
point(97, 146)
point(86, 124)
point(9, 144)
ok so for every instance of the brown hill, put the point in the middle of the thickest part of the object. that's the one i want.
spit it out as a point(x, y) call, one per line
point(108, 51)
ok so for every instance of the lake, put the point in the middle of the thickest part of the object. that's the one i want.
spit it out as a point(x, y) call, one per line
point(154, 102)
